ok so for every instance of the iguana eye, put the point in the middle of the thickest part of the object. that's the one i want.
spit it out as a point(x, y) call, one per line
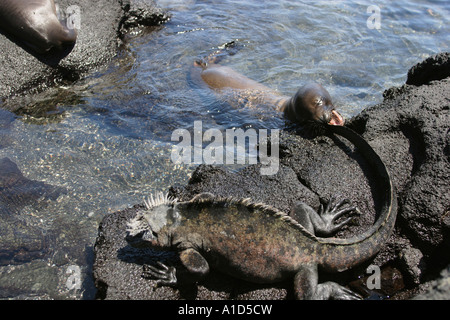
point(172, 215)
point(319, 102)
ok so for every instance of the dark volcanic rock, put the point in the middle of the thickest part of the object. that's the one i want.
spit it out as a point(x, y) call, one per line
point(281, 190)
point(410, 132)
point(438, 289)
point(141, 13)
point(411, 127)
point(434, 68)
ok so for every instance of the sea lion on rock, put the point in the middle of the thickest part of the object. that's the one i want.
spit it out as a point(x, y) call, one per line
point(312, 102)
point(35, 25)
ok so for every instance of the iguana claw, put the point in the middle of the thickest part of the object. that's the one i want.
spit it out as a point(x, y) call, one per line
point(333, 211)
point(164, 275)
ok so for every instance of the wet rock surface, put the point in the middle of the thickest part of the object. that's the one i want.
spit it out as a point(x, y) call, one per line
point(410, 132)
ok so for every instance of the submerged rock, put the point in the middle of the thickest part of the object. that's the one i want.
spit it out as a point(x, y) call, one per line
point(409, 130)
point(17, 191)
point(20, 242)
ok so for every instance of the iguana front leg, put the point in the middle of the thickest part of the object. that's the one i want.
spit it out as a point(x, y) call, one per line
point(163, 274)
point(324, 221)
point(196, 268)
point(306, 287)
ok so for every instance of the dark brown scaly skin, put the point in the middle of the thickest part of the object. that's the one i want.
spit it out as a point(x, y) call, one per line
point(261, 244)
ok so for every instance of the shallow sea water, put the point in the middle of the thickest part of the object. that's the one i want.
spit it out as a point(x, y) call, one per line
point(107, 138)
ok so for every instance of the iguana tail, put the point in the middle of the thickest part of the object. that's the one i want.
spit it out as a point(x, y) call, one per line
point(342, 254)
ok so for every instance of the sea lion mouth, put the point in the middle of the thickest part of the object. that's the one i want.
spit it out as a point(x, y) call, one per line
point(336, 119)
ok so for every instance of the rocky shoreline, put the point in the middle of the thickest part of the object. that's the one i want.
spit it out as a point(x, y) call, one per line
point(409, 130)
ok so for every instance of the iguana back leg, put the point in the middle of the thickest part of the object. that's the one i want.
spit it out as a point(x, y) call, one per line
point(306, 287)
point(323, 223)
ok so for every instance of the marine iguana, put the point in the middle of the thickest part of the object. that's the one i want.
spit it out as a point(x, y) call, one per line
point(261, 244)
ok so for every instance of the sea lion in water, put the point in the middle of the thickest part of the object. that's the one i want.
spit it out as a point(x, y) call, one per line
point(34, 23)
point(312, 102)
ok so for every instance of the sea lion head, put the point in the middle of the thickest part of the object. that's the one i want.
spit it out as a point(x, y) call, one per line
point(312, 102)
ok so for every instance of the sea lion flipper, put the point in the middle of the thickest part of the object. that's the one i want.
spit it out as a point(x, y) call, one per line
point(227, 49)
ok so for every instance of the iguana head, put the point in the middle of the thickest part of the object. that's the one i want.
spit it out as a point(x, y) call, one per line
point(149, 228)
